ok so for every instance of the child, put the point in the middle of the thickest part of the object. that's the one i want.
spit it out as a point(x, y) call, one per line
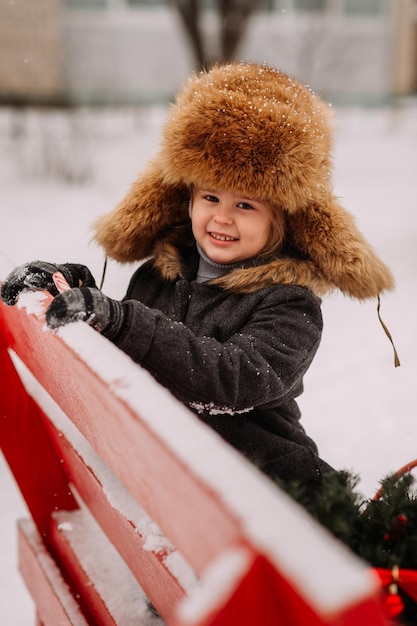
point(244, 235)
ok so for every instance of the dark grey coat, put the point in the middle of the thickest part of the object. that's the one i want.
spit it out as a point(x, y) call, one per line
point(237, 360)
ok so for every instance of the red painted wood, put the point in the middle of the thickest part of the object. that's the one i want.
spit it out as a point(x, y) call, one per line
point(52, 598)
point(185, 508)
point(85, 587)
point(28, 449)
point(192, 516)
point(159, 583)
point(263, 596)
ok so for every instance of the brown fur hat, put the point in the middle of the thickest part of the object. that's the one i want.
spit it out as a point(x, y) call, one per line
point(250, 129)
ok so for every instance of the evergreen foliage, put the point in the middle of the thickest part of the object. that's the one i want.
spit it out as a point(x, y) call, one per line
point(382, 531)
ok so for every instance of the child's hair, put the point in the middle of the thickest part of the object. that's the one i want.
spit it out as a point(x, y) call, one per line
point(277, 233)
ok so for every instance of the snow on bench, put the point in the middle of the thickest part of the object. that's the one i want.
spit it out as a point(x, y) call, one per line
point(141, 514)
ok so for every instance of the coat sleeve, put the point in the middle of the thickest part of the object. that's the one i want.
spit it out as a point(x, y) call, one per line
point(260, 366)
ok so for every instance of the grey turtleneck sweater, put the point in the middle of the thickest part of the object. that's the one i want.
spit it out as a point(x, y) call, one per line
point(208, 269)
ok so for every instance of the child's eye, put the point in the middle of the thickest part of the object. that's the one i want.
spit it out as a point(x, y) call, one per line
point(245, 205)
point(210, 198)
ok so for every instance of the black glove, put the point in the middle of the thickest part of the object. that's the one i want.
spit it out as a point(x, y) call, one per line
point(90, 305)
point(38, 276)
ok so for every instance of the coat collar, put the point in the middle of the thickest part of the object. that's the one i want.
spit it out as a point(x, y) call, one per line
point(179, 259)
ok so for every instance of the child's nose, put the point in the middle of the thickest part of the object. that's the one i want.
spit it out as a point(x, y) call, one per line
point(223, 215)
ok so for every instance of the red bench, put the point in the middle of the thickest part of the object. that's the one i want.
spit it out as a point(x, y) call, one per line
point(132, 497)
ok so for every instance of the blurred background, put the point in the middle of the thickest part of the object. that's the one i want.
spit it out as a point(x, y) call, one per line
point(138, 51)
point(84, 90)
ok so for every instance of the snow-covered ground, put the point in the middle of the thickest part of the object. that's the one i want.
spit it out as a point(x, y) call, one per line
point(59, 172)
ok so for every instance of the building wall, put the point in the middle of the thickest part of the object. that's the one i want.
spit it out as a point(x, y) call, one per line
point(404, 61)
point(343, 57)
point(144, 55)
point(123, 54)
point(30, 49)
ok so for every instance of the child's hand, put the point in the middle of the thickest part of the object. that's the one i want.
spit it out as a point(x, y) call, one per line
point(38, 275)
point(89, 305)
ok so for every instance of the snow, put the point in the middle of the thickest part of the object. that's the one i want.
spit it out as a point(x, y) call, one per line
point(220, 582)
point(356, 405)
point(253, 501)
point(116, 493)
point(52, 573)
point(32, 302)
point(115, 583)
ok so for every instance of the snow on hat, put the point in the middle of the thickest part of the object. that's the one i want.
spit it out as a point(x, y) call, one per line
point(251, 129)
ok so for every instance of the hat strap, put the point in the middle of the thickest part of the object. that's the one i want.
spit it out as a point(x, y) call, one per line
point(388, 334)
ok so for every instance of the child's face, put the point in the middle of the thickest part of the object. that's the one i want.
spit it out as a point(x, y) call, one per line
point(229, 227)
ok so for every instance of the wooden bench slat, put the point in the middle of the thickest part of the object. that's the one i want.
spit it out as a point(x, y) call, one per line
point(201, 525)
point(54, 602)
point(136, 537)
point(28, 449)
point(106, 583)
point(203, 495)
point(157, 565)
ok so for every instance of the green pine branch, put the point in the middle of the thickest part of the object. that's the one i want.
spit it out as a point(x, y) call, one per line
point(383, 532)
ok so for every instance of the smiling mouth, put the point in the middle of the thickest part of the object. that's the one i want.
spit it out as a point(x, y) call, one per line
point(222, 237)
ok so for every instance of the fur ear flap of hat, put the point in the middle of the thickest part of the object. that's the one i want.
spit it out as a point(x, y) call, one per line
point(333, 243)
point(249, 129)
point(146, 214)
